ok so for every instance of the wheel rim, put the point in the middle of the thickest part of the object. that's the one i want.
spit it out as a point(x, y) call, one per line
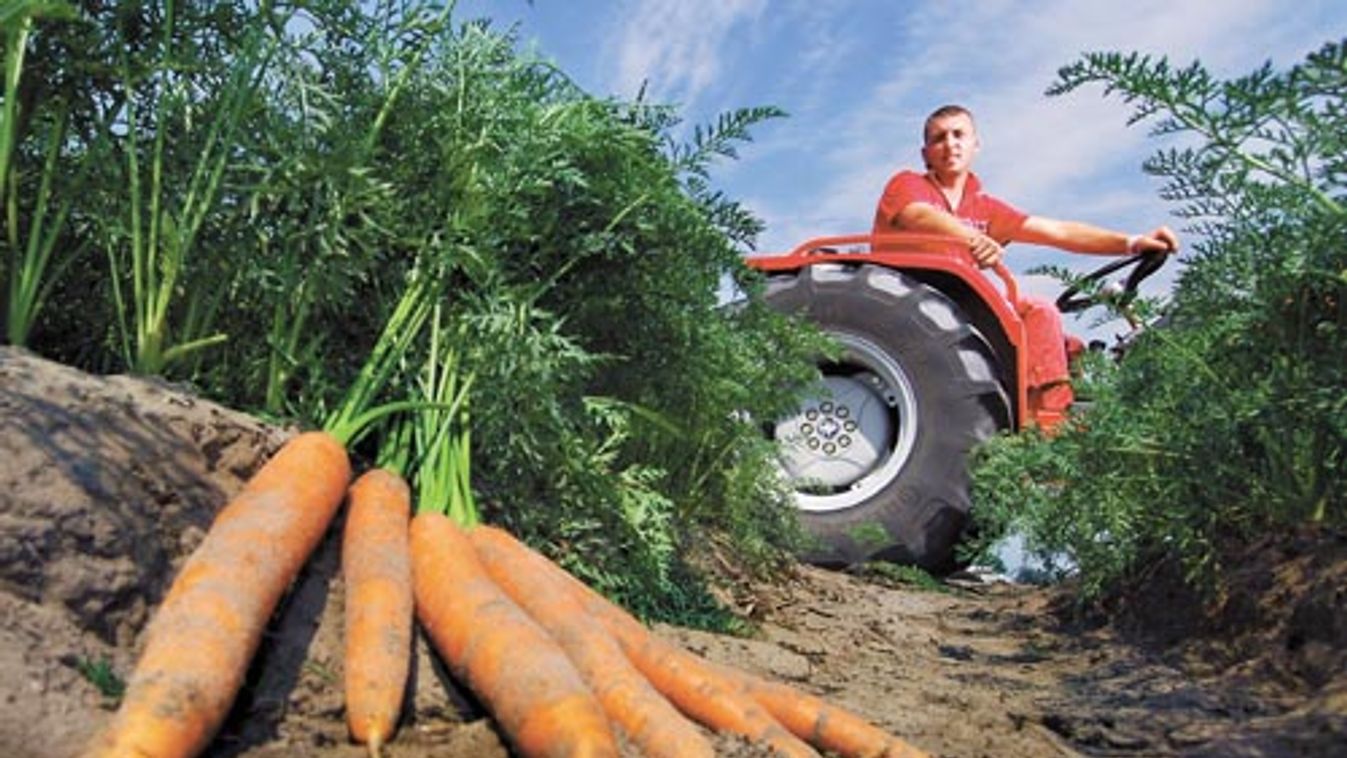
point(844, 446)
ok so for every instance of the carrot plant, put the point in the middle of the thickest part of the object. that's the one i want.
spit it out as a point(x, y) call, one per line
point(329, 161)
point(16, 23)
point(359, 405)
point(159, 232)
point(31, 272)
point(1226, 423)
point(30, 259)
point(288, 180)
point(440, 434)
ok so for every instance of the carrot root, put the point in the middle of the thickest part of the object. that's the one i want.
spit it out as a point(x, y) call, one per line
point(499, 651)
point(688, 682)
point(376, 567)
point(650, 721)
point(715, 694)
point(550, 658)
point(208, 626)
point(825, 726)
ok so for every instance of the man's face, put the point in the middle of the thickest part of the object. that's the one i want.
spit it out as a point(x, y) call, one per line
point(951, 143)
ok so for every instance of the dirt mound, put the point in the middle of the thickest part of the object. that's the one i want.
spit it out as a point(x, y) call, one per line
point(107, 483)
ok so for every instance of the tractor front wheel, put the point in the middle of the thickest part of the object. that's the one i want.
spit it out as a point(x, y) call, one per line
point(878, 459)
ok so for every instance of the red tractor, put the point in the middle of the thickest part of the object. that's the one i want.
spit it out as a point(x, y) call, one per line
point(934, 358)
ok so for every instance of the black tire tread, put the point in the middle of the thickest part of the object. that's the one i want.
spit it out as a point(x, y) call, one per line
point(924, 509)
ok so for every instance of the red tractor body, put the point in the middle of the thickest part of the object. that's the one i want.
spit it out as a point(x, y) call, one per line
point(936, 357)
point(1030, 329)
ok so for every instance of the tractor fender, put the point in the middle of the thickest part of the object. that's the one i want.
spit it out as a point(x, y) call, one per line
point(1025, 332)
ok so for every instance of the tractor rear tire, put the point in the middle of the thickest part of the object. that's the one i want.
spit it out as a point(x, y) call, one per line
point(879, 461)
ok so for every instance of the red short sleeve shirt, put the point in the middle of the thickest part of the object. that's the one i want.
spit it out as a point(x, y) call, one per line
point(980, 211)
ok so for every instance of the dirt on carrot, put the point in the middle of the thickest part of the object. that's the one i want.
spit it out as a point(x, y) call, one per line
point(108, 483)
point(377, 576)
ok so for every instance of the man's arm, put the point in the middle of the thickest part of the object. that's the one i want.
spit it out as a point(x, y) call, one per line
point(1080, 237)
point(924, 217)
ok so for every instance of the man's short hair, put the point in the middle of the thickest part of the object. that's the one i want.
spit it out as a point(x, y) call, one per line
point(943, 111)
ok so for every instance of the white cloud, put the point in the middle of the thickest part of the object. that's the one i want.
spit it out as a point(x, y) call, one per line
point(859, 75)
point(676, 47)
point(1044, 148)
point(1056, 156)
point(1070, 156)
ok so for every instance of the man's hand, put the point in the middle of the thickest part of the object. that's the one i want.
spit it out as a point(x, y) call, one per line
point(986, 251)
point(1162, 240)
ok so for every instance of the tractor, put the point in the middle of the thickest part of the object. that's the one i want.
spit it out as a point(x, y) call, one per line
point(933, 357)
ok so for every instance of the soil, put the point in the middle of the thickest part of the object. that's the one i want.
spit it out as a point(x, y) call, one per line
point(107, 483)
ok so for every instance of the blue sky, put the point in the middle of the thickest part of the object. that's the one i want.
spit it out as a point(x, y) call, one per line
point(858, 77)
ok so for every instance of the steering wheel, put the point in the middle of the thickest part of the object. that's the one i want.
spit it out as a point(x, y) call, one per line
point(1146, 264)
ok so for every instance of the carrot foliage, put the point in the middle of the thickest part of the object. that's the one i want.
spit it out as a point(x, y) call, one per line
point(1225, 423)
point(394, 199)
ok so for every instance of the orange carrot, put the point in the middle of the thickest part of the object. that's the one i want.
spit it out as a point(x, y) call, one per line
point(700, 691)
point(206, 630)
point(805, 716)
point(825, 726)
point(518, 671)
point(654, 725)
point(808, 717)
point(376, 567)
point(690, 683)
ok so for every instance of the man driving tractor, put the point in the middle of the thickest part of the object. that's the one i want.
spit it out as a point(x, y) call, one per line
point(948, 199)
point(931, 358)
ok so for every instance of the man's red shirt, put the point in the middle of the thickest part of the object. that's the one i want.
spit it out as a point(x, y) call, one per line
point(980, 211)
point(1048, 372)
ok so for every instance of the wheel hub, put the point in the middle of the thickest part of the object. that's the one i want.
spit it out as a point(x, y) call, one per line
point(827, 427)
point(851, 440)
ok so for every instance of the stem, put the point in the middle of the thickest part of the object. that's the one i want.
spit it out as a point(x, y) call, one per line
point(182, 349)
point(133, 179)
point(16, 43)
point(393, 343)
point(352, 430)
point(403, 77)
point(284, 347)
point(1232, 150)
point(27, 275)
point(149, 292)
point(443, 439)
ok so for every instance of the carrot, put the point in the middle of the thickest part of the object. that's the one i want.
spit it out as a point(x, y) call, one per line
point(518, 671)
point(805, 716)
point(654, 725)
point(376, 566)
point(690, 683)
point(825, 726)
point(206, 630)
point(701, 691)
point(808, 717)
